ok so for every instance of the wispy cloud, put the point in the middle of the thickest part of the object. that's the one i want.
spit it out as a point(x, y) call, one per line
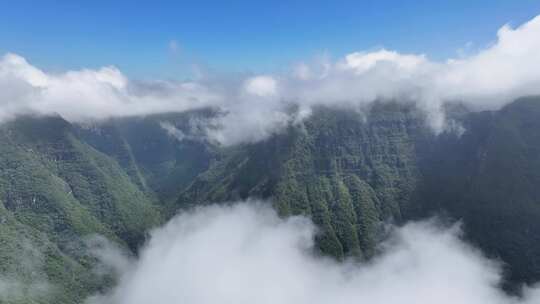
point(174, 47)
point(29, 283)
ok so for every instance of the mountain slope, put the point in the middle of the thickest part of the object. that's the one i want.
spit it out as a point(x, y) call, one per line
point(54, 191)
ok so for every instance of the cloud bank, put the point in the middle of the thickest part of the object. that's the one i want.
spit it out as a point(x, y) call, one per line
point(245, 253)
point(256, 106)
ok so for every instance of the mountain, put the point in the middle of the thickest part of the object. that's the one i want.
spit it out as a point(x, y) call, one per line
point(350, 171)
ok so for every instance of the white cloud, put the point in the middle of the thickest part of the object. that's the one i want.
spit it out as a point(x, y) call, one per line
point(245, 253)
point(257, 106)
point(90, 94)
point(263, 86)
point(362, 62)
point(503, 71)
point(172, 130)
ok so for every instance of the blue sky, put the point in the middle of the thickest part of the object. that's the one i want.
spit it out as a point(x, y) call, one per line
point(239, 36)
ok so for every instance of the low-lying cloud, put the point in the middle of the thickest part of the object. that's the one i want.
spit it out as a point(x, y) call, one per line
point(256, 106)
point(28, 282)
point(245, 253)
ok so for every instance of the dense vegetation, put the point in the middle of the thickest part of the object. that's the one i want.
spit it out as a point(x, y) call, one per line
point(349, 171)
